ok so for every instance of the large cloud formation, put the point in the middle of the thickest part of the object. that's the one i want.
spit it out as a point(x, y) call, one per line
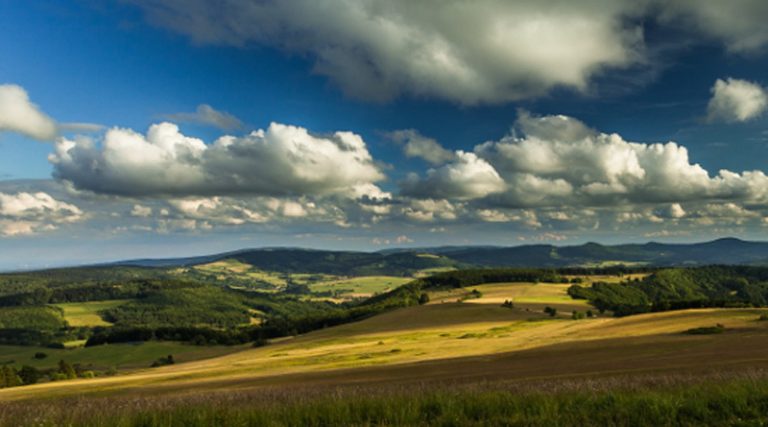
point(735, 100)
point(469, 52)
point(552, 175)
point(27, 213)
point(19, 114)
point(556, 161)
point(280, 161)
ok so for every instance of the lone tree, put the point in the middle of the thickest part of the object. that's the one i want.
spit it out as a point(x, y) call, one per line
point(67, 370)
point(9, 377)
point(423, 298)
point(29, 374)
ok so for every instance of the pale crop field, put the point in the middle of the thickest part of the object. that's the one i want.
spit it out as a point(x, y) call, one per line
point(87, 313)
point(228, 265)
point(530, 296)
point(526, 296)
point(233, 268)
point(357, 287)
point(430, 271)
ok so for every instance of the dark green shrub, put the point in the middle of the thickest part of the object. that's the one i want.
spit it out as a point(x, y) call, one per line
point(707, 330)
point(423, 298)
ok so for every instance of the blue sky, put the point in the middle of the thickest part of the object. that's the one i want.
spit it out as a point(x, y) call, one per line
point(569, 98)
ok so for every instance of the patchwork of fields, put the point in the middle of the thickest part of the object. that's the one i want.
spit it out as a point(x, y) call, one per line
point(339, 288)
point(469, 341)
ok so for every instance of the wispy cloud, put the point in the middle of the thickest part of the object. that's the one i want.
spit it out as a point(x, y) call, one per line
point(81, 127)
point(209, 116)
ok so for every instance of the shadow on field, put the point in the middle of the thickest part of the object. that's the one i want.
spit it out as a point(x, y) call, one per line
point(670, 354)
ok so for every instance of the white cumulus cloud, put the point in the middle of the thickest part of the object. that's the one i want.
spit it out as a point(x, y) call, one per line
point(19, 114)
point(735, 100)
point(566, 162)
point(28, 213)
point(468, 177)
point(281, 160)
point(556, 161)
point(141, 211)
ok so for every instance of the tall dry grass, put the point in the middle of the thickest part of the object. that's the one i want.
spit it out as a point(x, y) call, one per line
point(714, 398)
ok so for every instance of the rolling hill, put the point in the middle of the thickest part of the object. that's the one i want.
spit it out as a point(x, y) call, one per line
point(448, 338)
point(405, 261)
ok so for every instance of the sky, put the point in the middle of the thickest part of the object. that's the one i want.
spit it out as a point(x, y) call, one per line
point(149, 128)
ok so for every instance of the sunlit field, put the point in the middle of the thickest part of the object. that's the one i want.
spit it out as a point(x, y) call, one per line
point(359, 287)
point(441, 341)
point(87, 313)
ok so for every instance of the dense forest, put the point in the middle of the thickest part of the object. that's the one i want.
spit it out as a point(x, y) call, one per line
point(679, 288)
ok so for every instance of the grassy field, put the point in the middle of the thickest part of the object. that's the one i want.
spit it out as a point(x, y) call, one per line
point(588, 280)
point(87, 313)
point(725, 400)
point(307, 278)
point(530, 296)
point(358, 287)
point(120, 356)
point(232, 268)
point(344, 288)
point(429, 271)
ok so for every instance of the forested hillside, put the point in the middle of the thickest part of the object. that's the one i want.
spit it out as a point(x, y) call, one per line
point(678, 288)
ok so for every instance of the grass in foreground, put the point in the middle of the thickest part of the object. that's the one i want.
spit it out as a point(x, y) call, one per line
point(739, 400)
point(451, 337)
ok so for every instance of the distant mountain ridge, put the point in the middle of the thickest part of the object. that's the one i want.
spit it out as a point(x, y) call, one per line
point(405, 261)
point(721, 251)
